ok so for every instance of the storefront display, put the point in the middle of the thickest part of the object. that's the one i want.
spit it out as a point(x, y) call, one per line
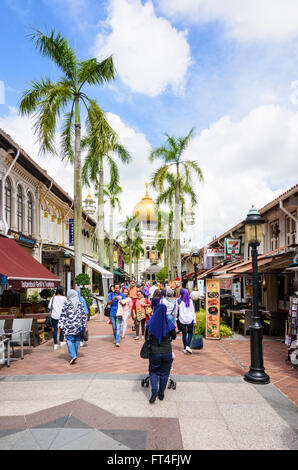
point(212, 308)
point(291, 339)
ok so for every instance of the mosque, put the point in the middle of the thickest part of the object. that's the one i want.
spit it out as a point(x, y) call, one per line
point(146, 215)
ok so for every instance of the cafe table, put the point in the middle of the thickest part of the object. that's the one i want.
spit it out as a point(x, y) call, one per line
point(234, 313)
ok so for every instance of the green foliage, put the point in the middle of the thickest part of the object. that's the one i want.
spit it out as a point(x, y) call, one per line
point(47, 293)
point(82, 280)
point(224, 330)
point(163, 274)
point(34, 298)
point(86, 293)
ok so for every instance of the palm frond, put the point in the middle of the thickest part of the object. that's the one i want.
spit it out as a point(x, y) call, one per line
point(56, 47)
point(94, 72)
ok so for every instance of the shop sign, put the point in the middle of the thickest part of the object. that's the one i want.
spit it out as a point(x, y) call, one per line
point(27, 284)
point(201, 287)
point(212, 308)
point(237, 292)
point(215, 252)
point(71, 232)
point(248, 287)
point(3, 279)
point(226, 283)
point(27, 241)
point(232, 248)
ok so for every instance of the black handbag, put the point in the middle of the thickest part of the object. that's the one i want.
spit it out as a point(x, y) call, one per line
point(107, 310)
point(85, 335)
point(146, 349)
point(48, 323)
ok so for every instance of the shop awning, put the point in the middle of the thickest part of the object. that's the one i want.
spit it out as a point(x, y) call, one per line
point(118, 273)
point(21, 269)
point(95, 266)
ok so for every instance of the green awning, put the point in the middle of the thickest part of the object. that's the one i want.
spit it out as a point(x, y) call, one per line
point(118, 272)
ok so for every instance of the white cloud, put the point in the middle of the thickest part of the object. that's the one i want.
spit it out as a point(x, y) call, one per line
point(243, 20)
point(149, 53)
point(244, 163)
point(21, 131)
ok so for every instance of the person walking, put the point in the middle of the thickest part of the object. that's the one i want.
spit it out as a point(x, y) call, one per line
point(127, 307)
point(133, 294)
point(152, 289)
point(81, 299)
point(72, 321)
point(170, 302)
point(187, 319)
point(156, 299)
point(160, 332)
point(140, 316)
point(55, 307)
point(116, 312)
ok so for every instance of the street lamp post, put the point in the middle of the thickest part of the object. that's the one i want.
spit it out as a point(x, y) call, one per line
point(253, 233)
point(195, 260)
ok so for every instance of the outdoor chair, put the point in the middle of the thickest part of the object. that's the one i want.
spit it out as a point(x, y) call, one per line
point(245, 323)
point(3, 348)
point(2, 323)
point(21, 333)
point(276, 323)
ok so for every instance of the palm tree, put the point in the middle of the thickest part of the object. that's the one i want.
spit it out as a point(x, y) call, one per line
point(101, 145)
point(49, 100)
point(137, 251)
point(127, 230)
point(111, 191)
point(171, 154)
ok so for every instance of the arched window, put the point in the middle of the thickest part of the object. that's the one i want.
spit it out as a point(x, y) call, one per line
point(148, 252)
point(8, 201)
point(20, 208)
point(30, 215)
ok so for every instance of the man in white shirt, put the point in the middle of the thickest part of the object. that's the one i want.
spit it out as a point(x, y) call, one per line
point(152, 290)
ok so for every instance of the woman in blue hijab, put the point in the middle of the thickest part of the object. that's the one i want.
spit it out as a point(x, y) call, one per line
point(161, 331)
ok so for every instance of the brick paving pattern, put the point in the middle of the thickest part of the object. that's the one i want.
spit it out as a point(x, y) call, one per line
point(227, 357)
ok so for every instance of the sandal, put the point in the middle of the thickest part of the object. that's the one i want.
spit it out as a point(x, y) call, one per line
point(137, 337)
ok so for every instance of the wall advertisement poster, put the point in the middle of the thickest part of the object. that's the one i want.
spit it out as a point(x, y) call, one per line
point(212, 308)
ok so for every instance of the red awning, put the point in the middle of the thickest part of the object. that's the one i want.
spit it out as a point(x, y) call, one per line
point(21, 269)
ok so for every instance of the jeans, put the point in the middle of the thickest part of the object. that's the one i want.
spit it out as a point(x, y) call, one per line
point(187, 332)
point(159, 371)
point(73, 343)
point(116, 324)
point(55, 332)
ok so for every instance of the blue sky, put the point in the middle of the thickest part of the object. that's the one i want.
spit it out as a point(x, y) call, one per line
point(180, 65)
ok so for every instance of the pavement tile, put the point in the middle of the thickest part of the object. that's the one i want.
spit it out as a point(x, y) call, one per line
point(206, 434)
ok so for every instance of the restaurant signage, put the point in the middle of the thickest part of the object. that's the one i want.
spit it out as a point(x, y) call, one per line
point(226, 283)
point(215, 252)
point(35, 284)
point(232, 248)
point(212, 308)
point(71, 232)
point(3, 279)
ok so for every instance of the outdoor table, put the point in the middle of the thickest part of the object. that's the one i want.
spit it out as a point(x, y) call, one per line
point(233, 313)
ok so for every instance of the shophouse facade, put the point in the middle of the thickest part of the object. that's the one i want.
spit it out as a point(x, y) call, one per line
point(38, 214)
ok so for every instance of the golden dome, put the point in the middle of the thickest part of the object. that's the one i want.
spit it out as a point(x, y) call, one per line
point(145, 209)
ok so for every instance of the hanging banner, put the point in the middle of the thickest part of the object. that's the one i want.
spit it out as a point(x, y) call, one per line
point(215, 252)
point(201, 288)
point(71, 232)
point(212, 308)
point(226, 283)
point(232, 248)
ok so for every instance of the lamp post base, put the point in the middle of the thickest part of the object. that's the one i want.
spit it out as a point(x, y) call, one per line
point(257, 376)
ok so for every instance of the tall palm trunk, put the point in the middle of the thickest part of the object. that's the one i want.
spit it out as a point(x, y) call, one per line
point(100, 218)
point(177, 228)
point(111, 245)
point(77, 193)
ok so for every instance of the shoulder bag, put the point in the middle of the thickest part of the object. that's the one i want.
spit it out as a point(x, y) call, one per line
point(107, 310)
point(146, 348)
point(49, 323)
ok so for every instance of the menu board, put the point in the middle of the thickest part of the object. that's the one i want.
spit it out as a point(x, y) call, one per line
point(212, 308)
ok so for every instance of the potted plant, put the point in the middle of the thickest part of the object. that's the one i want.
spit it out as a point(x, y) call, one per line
point(46, 294)
point(83, 280)
point(26, 305)
point(36, 301)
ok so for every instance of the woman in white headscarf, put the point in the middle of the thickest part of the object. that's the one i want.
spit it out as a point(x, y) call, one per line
point(72, 321)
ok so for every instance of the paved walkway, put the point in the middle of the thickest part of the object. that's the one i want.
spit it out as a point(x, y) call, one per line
point(98, 403)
